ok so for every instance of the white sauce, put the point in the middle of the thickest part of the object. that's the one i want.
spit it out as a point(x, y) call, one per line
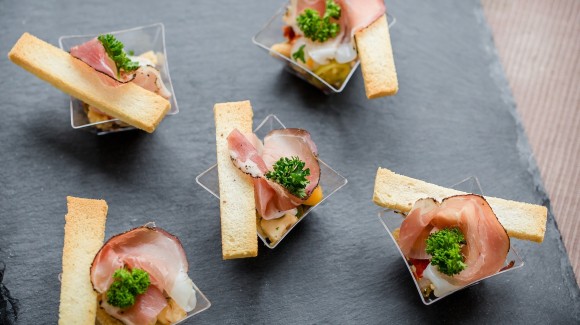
point(183, 292)
point(141, 60)
point(442, 286)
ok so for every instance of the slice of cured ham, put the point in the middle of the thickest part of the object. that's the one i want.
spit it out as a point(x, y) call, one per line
point(245, 154)
point(293, 143)
point(255, 159)
point(145, 310)
point(93, 53)
point(273, 200)
point(361, 13)
point(487, 242)
point(148, 77)
point(158, 253)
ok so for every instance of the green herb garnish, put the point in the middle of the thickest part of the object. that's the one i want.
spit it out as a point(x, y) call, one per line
point(127, 285)
point(319, 28)
point(299, 55)
point(290, 173)
point(445, 248)
point(114, 49)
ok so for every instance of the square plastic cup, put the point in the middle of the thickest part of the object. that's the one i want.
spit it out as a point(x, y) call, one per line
point(272, 33)
point(330, 180)
point(139, 40)
point(392, 220)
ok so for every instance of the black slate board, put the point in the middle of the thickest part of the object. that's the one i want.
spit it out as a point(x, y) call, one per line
point(454, 117)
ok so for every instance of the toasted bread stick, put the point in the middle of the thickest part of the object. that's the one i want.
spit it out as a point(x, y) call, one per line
point(399, 193)
point(376, 58)
point(84, 232)
point(237, 203)
point(128, 102)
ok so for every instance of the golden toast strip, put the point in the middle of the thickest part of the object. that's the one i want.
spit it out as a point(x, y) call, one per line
point(520, 220)
point(128, 102)
point(376, 59)
point(237, 204)
point(84, 232)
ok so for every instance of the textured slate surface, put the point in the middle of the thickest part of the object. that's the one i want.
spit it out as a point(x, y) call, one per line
point(454, 117)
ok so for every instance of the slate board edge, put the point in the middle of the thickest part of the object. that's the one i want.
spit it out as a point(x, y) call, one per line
point(526, 155)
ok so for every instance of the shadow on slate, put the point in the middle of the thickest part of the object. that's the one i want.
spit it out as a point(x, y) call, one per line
point(8, 304)
point(453, 117)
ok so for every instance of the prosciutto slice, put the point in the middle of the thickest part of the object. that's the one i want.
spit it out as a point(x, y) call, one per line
point(361, 13)
point(293, 143)
point(145, 310)
point(146, 76)
point(93, 53)
point(246, 153)
point(158, 253)
point(487, 242)
point(255, 159)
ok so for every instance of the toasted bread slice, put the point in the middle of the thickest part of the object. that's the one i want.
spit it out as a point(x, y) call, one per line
point(520, 220)
point(84, 232)
point(128, 102)
point(237, 204)
point(376, 59)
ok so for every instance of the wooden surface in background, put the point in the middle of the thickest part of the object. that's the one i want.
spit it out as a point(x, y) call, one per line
point(538, 42)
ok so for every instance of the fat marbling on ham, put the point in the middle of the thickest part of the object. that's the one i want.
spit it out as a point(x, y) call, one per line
point(487, 243)
point(256, 159)
point(155, 251)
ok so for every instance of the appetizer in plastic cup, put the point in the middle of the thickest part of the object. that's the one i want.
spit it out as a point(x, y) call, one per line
point(139, 276)
point(330, 182)
point(330, 78)
point(143, 41)
point(150, 252)
point(392, 221)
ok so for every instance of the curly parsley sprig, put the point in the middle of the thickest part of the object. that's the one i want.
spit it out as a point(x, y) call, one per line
point(445, 248)
point(317, 28)
point(290, 173)
point(114, 49)
point(127, 285)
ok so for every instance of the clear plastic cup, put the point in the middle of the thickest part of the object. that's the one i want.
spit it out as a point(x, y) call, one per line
point(330, 180)
point(272, 33)
point(392, 220)
point(139, 40)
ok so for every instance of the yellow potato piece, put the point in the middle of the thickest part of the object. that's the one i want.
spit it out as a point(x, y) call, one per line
point(315, 197)
point(283, 48)
point(276, 228)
